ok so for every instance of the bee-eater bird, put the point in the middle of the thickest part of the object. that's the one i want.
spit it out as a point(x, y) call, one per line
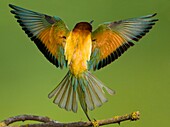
point(81, 50)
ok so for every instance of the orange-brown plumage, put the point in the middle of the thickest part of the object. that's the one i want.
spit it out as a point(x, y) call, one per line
point(108, 42)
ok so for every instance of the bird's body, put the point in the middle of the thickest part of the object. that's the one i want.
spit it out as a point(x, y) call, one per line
point(82, 50)
point(78, 48)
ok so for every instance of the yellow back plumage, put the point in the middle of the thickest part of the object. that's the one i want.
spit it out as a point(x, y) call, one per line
point(78, 50)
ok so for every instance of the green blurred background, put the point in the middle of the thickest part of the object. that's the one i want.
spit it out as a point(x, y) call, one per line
point(141, 77)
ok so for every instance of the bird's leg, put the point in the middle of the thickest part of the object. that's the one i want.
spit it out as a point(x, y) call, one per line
point(94, 121)
point(88, 117)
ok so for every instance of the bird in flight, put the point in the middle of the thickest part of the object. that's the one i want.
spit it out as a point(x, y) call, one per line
point(81, 50)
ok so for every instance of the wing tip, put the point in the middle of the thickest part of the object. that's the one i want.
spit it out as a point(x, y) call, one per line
point(154, 14)
point(154, 20)
point(149, 16)
point(11, 5)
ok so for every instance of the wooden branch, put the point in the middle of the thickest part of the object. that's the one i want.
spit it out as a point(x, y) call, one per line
point(51, 123)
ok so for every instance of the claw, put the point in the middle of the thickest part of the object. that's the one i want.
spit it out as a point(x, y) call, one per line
point(95, 123)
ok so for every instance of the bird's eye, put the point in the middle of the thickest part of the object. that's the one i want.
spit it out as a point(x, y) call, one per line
point(64, 37)
point(94, 40)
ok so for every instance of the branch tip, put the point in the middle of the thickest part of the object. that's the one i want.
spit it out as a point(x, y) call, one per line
point(135, 116)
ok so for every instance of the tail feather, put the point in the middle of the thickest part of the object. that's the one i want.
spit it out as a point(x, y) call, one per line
point(64, 95)
point(69, 98)
point(89, 99)
point(111, 92)
point(73, 84)
point(93, 90)
point(59, 94)
point(98, 90)
point(74, 101)
point(95, 97)
point(57, 89)
point(85, 88)
point(81, 96)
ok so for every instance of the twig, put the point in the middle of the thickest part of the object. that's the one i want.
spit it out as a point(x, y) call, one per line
point(51, 123)
point(26, 117)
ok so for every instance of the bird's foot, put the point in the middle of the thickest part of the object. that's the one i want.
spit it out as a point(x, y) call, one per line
point(95, 123)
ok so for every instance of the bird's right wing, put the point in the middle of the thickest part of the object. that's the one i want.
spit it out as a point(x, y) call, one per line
point(112, 39)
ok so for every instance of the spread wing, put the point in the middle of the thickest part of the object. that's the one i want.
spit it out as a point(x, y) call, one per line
point(48, 33)
point(112, 39)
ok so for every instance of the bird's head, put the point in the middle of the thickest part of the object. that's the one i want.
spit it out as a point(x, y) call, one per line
point(83, 26)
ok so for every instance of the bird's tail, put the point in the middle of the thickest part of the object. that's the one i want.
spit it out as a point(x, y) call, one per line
point(85, 88)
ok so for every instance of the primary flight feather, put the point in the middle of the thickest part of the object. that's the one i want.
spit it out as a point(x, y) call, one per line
point(82, 50)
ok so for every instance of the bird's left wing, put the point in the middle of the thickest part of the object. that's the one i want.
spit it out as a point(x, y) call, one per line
point(48, 33)
point(112, 39)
